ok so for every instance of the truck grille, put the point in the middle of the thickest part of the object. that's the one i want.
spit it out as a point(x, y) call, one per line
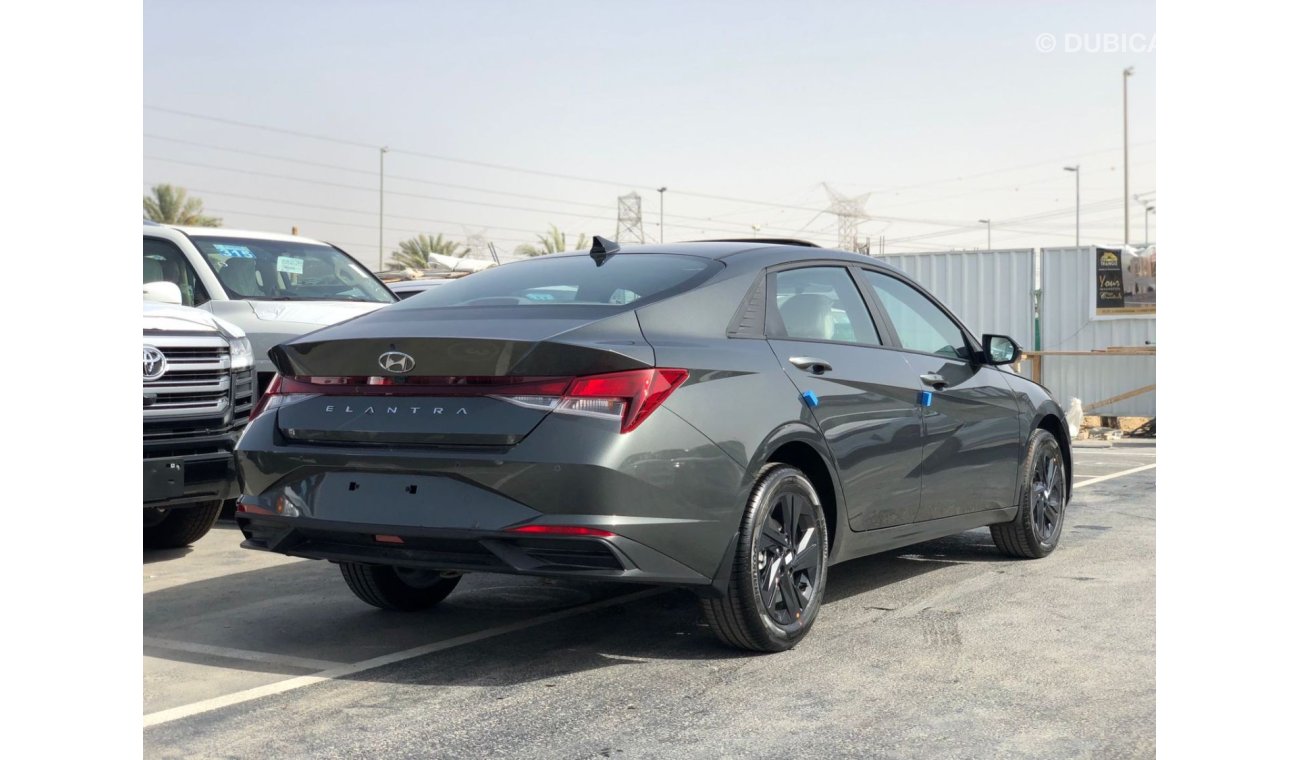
point(197, 382)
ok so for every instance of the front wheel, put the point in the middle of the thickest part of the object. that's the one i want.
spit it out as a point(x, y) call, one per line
point(397, 588)
point(779, 574)
point(1036, 529)
point(180, 526)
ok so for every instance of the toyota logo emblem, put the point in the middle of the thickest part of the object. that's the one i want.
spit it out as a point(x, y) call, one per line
point(396, 362)
point(155, 364)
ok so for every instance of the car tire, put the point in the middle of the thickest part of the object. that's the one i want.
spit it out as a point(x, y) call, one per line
point(395, 588)
point(1036, 529)
point(783, 513)
point(182, 526)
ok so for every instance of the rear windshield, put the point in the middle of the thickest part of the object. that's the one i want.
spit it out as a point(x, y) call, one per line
point(623, 281)
point(282, 270)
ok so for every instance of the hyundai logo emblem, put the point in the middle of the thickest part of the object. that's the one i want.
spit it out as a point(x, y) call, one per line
point(396, 362)
point(155, 364)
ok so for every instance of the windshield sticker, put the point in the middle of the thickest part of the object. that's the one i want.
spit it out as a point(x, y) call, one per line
point(234, 251)
point(289, 265)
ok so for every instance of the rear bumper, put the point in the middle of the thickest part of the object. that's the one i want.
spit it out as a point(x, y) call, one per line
point(614, 558)
point(672, 497)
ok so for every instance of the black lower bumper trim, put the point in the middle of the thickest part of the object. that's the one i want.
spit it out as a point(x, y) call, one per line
point(435, 549)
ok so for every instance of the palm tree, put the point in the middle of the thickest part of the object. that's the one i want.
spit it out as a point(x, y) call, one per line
point(553, 241)
point(171, 205)
point(414, 253)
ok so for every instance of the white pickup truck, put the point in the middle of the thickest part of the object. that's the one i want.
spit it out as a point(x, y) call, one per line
point(198, 393)
point(274, 287)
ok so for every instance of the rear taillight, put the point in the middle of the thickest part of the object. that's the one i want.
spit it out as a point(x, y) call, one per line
point(629, 397)
point(281, 391)
point(272, 389)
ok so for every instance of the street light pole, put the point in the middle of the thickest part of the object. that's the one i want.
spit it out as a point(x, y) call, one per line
point(382, 151)
point(1146, 224)
point(1127, 73)
point(1075, 169)
point(989, 222)
point(661, 214)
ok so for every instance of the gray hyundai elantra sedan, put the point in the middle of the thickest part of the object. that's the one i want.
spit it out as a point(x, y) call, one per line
point(727, 416)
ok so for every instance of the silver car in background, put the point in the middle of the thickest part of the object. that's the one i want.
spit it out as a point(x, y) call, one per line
point(275, 287)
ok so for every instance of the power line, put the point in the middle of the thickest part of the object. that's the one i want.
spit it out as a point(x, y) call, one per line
point(504, 167)
point(301, 220)
point(348, 210)
point(399, 193)
point(313, 181)
point(372, 173)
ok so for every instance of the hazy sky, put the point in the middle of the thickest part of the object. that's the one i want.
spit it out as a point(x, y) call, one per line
point(946, 112)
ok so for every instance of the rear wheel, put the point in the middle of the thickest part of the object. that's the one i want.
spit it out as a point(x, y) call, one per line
point(397, 588)
point(779, 573)
point(1036, 529)
point(179, 526)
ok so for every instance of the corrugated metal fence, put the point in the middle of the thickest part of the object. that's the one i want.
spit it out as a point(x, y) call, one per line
point(992, 292)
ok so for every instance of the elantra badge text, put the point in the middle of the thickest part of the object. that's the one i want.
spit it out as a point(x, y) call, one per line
point(347, 409)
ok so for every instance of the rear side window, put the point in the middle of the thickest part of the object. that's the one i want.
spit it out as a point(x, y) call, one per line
point(622, 281)
point(820, 303)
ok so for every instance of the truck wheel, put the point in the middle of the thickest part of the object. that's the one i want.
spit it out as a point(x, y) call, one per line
point(397, 588)
point(182, 526)
point(779, 573)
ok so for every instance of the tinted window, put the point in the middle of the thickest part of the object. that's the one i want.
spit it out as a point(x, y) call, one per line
point(164, 262)
point(288, 270)
point(623, 280)
point(820, 303)
point(920, 324)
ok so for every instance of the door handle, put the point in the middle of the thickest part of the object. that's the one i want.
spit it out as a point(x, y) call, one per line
point(808, 363)
point(934, 381)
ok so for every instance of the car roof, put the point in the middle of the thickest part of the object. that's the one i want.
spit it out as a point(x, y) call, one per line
point(720, 249)
point(249, 234)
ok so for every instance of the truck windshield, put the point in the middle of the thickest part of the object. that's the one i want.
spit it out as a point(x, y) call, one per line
point(281, 270)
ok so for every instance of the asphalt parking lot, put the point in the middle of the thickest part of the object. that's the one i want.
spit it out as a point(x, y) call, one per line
point(943, 649)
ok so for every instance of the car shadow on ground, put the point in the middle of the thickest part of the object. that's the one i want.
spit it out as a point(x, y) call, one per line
point(162, 555)
point(303, 610)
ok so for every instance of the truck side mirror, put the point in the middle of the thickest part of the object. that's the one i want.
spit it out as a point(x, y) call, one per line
point(163, 292)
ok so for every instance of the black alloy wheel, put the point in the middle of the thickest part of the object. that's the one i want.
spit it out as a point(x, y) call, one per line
point(1036, 528)
point(779, 572)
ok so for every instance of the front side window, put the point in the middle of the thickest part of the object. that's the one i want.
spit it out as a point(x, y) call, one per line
point(284, 270)
point(820, 303)
point(920, 324)
point(164, 262)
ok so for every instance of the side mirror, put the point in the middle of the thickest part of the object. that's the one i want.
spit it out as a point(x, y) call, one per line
point(999, 349)
point(163, 292)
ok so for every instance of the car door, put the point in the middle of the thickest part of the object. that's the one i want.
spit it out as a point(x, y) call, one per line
point(971, 427)
point(862, 395)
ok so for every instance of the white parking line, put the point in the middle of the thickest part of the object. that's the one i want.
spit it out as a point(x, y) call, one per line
point(1113, 475)
point(1083, 452)
point(343, 671)
point(240, 654)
